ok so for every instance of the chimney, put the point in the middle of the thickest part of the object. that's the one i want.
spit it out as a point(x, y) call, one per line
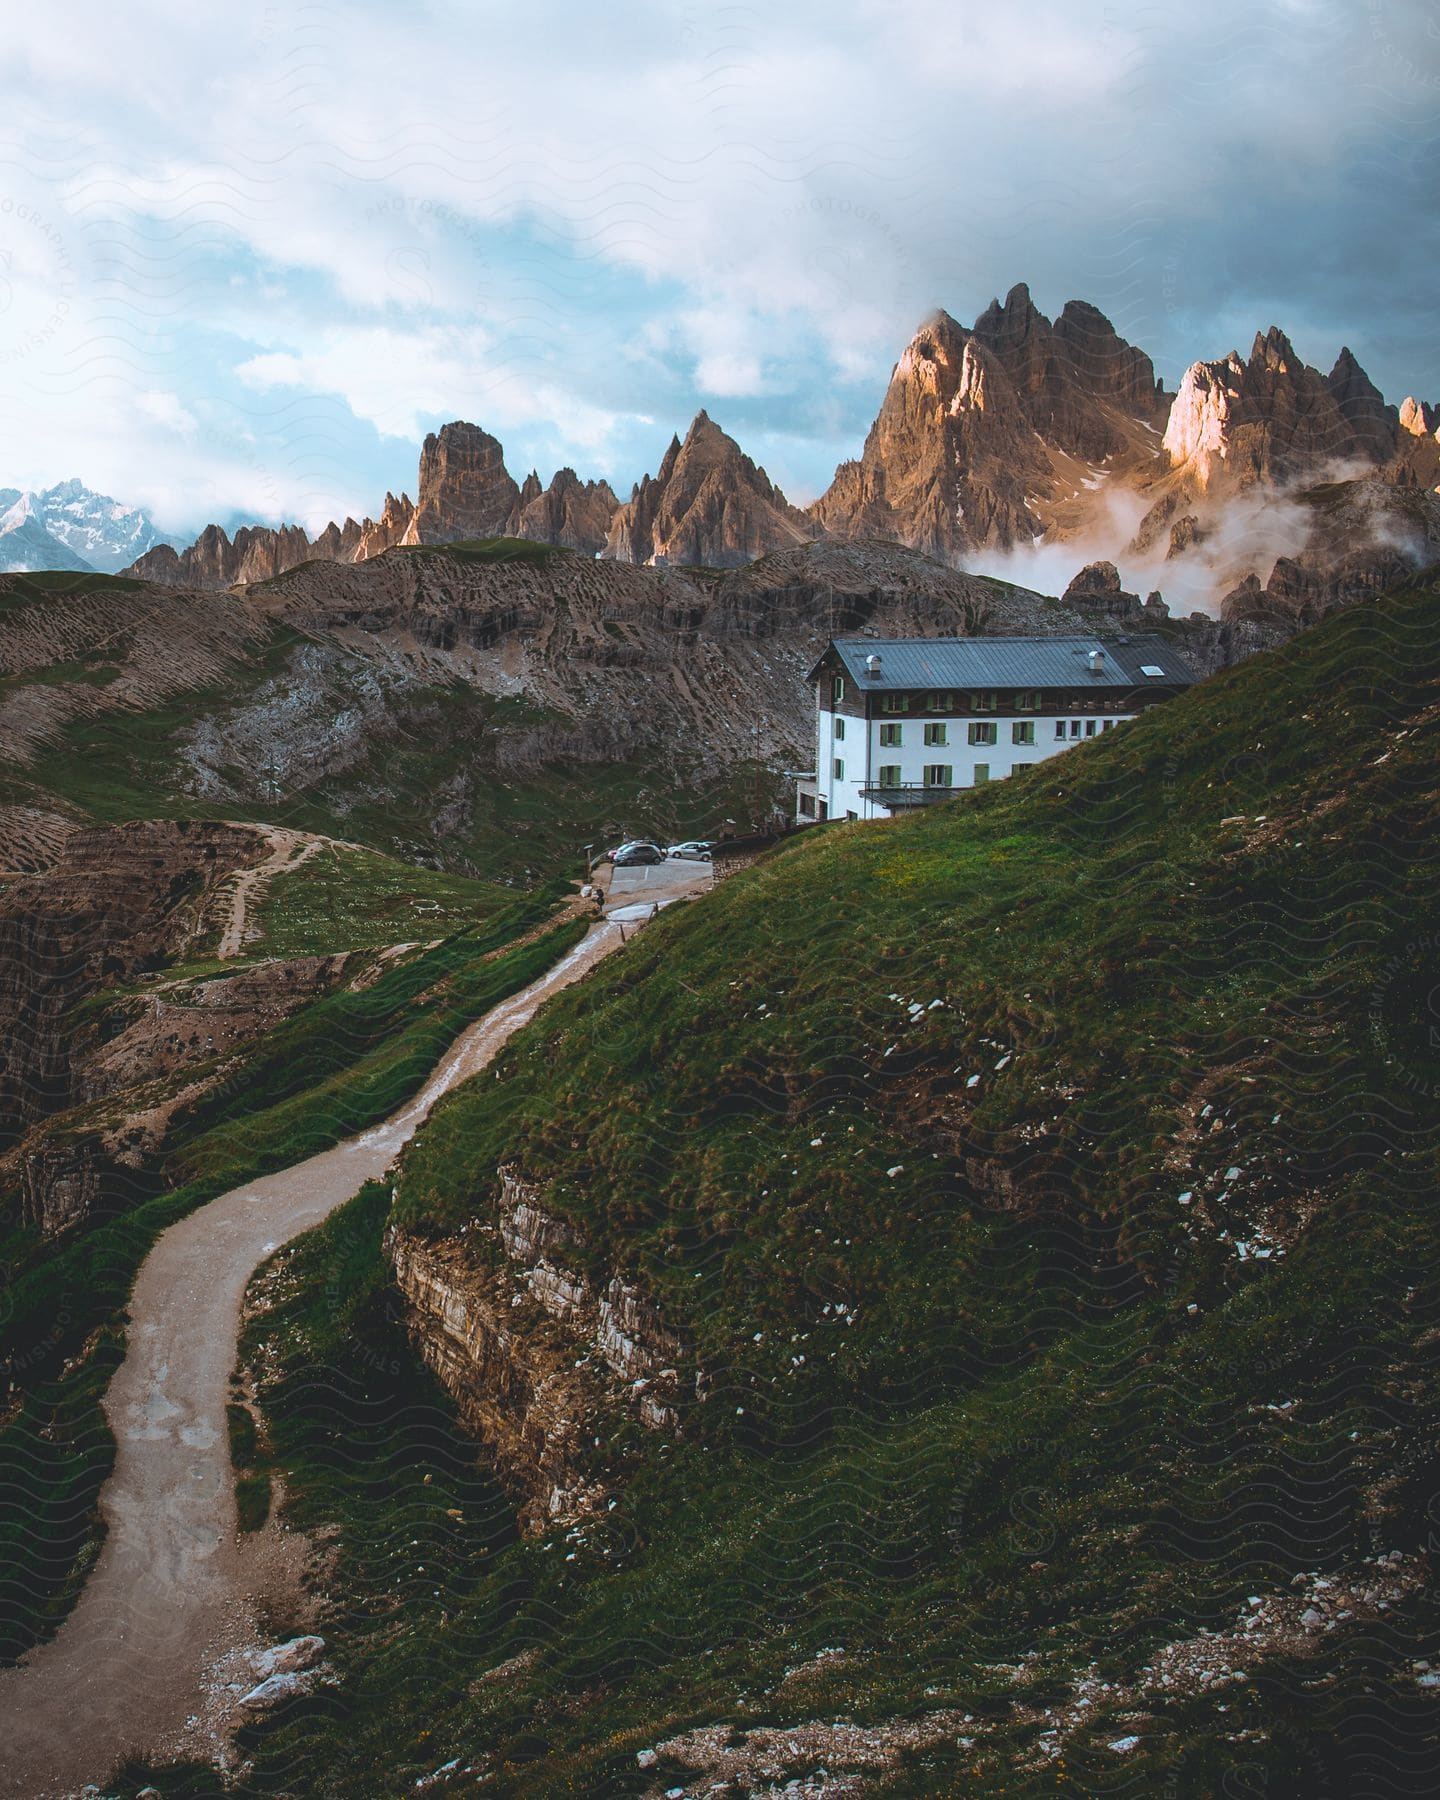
point(1095, 662)
point(872, 664)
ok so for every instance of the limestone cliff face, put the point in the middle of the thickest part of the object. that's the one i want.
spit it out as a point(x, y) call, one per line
point(465, 489)
point(572, 513)
point(707, 504)
point(540, 1354)
point(1273, 418)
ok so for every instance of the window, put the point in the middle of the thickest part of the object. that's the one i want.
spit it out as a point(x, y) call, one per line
point(890, 737)
point(983, 734)
point(1023, 731)
point(982, 774)
point(837, 690)
point(1089, 728)
point(1015, 768)
point(1059, 728)
point(1027, 701)
point(985, 702)
point(895, 703)
point(1105, 724)
point(839, 769)
point(939, 775)
point(936, 734)
point(1074, 728)
point(939, 700)
point(807, 806)
point(839, 730)
point(889, 775)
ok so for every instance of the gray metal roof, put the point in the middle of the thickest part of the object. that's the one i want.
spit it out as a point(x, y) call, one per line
point(1009, 662)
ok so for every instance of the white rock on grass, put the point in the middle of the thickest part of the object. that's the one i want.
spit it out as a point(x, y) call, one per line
point(275, 1690)
point(288, 1658)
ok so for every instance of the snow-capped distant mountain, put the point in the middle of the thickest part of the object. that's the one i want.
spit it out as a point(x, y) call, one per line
point(101, 532)
point(26, 544)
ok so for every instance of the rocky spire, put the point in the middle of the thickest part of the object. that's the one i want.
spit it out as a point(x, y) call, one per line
point(465, 489)
point(1373, 425)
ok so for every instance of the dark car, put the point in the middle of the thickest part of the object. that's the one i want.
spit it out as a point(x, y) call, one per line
point(638, 853)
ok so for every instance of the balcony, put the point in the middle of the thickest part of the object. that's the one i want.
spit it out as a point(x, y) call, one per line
point(908, 793)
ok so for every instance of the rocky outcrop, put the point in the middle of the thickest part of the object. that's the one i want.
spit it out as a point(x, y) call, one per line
point(540, 1354)
point(1097, 592)
point(572, 513)
point(707, 504)
point(465, 489)
point(1367, 536)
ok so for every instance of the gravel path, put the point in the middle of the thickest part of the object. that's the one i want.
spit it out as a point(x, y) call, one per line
point(175, 1591)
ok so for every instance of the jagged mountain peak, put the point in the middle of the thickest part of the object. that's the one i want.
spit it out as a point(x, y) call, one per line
point(708, 503)
point(1273, 350)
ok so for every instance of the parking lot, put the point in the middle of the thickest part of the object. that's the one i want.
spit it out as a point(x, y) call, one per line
point(633, 890)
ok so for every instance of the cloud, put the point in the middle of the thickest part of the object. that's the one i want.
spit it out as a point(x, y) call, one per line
point(302, 219)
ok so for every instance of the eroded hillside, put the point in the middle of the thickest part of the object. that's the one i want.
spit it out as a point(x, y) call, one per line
point(965, 1296)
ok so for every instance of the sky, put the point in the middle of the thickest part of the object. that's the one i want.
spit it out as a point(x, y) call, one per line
point(250, 255)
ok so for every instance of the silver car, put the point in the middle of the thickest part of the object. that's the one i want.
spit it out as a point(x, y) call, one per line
point(693, 850)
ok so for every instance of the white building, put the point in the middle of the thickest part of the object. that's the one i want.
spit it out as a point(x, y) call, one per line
point(902, 722)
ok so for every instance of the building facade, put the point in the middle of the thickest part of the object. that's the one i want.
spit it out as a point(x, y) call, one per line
point(903, 722)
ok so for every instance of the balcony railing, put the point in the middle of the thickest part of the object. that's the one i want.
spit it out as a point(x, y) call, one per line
point(908, 793)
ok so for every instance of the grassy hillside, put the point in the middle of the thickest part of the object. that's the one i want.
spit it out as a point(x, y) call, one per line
point(1044, 1186)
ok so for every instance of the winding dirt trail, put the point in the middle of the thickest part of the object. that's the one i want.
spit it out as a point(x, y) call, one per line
point(175, 1591)
point(288, 849)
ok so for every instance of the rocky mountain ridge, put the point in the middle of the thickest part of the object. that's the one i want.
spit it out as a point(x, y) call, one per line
point(990, 439)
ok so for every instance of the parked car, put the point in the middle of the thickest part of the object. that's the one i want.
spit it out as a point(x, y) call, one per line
point(638, 853)
point(610, 855)
point(692, 850)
